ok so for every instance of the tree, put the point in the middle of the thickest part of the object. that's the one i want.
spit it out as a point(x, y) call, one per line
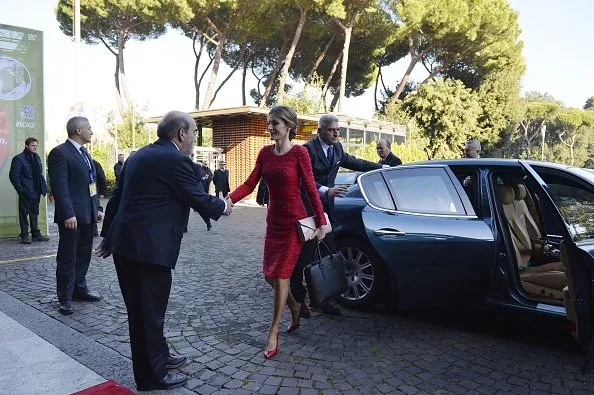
point(346, 20)
point(447, 113)
point(406, 152)
point(113, 23)
point(589, 104)
point(129, 133)
point(535, 114)
point(462, 39)
point(572, 124)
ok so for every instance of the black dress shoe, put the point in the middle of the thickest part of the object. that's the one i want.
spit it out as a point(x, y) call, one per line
point(208, 226)
point(304, 311)
point(175, 362)
point(40, 238)
point(329, 309)
point(86, 298)
point(171, 380)
point(66, 308)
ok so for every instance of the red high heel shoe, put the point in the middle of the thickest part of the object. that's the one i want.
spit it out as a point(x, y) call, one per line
point(270, 354)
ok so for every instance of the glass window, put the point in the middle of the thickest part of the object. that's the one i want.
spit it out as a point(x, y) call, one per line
point(424, 190)
point(371, 137)
point(377, 192)
point(355, 136)
point(574, 200)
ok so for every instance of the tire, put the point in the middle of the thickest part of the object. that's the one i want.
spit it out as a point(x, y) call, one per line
point(364, 272)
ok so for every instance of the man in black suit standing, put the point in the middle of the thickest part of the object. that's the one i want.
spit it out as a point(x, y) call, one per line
point(327, 156)
point(143, 228)
point(26, 175)
point(385, 153)
point(221, 179)
point(73, 180)
point(101, 190)
point(117, 168)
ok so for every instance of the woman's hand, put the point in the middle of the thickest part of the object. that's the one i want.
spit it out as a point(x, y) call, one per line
point(319, 233)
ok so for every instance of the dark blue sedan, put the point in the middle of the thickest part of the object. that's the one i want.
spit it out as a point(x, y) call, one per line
point(509, 232)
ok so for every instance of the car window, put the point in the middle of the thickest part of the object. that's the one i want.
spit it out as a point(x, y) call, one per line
point(424, 190)
point(377, 192)
point(574, 200)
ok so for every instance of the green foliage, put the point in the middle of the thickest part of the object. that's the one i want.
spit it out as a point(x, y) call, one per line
point(308, 100)
point(589, 104)
point(447, 113)
point(105, 154)
point(121, 130)
point(406, 152)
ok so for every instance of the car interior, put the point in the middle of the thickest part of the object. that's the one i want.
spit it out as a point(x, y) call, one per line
point(541, 271)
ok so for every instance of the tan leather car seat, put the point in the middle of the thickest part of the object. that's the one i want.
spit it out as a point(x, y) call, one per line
point(540, 281)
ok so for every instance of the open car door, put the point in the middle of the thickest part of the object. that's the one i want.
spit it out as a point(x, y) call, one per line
point(568, 202)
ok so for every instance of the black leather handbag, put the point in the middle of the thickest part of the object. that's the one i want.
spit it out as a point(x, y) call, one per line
point(325, 277)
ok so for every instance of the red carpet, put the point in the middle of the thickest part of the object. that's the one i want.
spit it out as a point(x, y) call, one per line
point(108, 388)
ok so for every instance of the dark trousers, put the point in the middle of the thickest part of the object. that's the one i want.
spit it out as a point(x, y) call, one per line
point(308, 253)
point(28, 213)
point(225, 193)
point(145, 289)
point(72, 261)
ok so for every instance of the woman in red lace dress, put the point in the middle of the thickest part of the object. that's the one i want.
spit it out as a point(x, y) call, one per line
point(285, 167)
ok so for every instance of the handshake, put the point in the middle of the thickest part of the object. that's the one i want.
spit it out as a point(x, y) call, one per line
point(229, 203)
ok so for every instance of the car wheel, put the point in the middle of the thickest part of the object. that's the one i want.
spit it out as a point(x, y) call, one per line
point(364, 272)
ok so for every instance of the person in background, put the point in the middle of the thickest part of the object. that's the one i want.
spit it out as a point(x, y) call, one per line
point(472, 149)
point(221, 180)
point(101, 190)
point(117, 168)
point(262, 194)
point(26, 176)
point(385, 153)
point(73, 180)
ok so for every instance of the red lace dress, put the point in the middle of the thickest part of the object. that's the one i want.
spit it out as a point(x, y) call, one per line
point(283, 175)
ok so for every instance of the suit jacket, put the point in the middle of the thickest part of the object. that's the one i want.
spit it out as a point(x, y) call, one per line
point(325, 172)
point(221, 180)
point(391, 160)
point(206, 182)
point(21, 175)
point(145, 218)
point(117, 170)
point(101, 180)
point(69, 181)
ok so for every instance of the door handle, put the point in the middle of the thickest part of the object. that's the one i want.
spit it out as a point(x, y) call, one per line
point(389, 232)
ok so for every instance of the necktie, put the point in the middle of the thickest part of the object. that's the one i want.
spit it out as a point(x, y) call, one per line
point(330, 155)
point(85, 155)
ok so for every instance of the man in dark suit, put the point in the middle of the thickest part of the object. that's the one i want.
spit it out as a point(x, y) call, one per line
point(101, 190)
point(26, 175)
point(221, 180)
point(385, 153)
point(327, 156)
point(73, 180)
point(117, 168)
point(143, 229)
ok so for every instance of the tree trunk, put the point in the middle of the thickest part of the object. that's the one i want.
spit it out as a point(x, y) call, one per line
point(413, 62)
point(377, 78)
point(335, 99)
point(272, 79)
point(198, 55)
point(345, 62)
point(214, 96)
point(329, 80)
point(246, 62)
point(285, 71)
point(319, 60)
point(116, 76)
point(214, 72)
point(124, 83)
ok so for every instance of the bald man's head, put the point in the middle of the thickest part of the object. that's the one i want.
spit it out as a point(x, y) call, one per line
point(383, 148)
point(180, 128)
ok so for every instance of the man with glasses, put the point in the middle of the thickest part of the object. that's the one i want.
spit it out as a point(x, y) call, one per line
point(327, 156)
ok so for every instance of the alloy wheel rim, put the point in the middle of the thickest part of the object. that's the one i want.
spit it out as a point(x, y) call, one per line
point(359, 272)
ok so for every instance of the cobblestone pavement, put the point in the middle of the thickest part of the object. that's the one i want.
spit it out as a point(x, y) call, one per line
point(220, 308)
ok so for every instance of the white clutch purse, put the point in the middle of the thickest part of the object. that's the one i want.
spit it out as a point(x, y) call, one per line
point(307, 226)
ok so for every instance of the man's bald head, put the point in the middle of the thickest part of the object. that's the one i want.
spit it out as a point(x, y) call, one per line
point(180, 128)
point(383, 148)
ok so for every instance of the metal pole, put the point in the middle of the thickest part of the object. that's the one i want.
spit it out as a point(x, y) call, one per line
point(76, 48)
point(543, 130)
point(133, 131)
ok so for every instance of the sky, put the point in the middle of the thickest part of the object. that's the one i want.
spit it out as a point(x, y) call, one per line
point(557, 52)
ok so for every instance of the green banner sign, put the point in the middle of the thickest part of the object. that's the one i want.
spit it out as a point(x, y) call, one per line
point(21, 114)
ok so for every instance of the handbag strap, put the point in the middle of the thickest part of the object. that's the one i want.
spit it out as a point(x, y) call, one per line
point(320, 257)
